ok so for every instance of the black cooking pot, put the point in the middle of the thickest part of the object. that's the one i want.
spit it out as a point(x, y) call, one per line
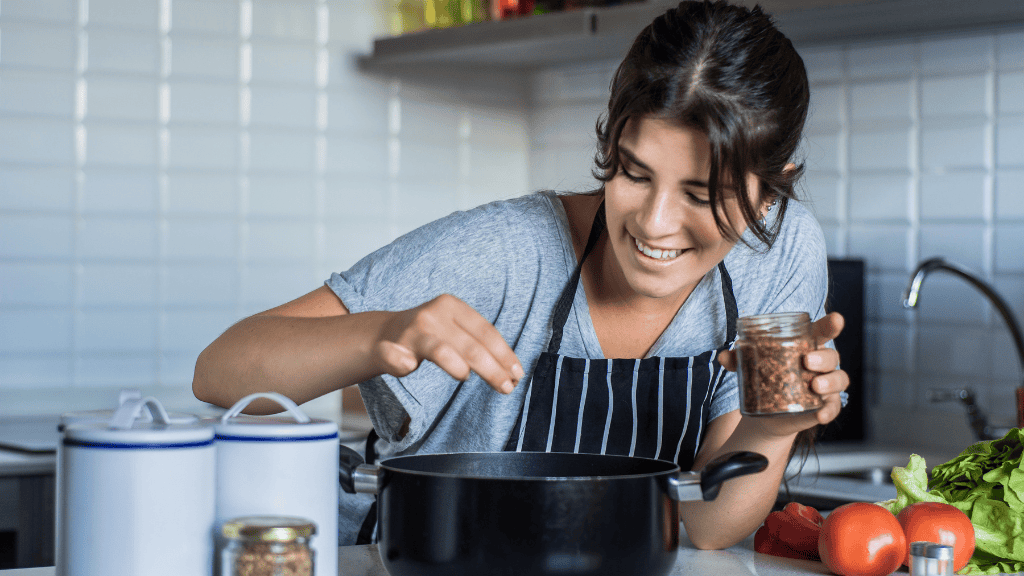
point(532, 513)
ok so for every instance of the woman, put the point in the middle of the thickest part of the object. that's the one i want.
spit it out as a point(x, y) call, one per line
point(468, 333)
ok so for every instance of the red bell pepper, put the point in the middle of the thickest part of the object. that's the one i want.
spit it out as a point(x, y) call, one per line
point(790, 533)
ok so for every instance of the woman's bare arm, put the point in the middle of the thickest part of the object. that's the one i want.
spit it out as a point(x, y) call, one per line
point(312, 346)
point(303, 349)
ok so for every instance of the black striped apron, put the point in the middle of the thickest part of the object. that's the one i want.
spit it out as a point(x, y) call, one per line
point(654, 407)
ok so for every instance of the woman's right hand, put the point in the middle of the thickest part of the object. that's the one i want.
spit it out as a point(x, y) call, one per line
point(452, 335)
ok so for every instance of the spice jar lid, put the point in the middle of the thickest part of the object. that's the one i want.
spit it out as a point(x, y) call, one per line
point(268, 528)
point(917, 548)
point(774, 325)
point(938, 551)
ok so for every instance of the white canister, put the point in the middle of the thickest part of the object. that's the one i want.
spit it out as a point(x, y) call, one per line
point(137, 496)
point(280, 466)
point(101, 415)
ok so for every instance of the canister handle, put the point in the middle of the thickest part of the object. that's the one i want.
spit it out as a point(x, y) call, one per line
point(126, 414)
point(281, 399)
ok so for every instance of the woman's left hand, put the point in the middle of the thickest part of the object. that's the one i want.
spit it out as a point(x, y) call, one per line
point(828, 380)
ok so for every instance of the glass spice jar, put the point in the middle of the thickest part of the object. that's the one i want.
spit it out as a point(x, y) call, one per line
point(770, 352)
point(267, 546)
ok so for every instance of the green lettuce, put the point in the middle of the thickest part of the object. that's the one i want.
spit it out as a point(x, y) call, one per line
point(986, 482)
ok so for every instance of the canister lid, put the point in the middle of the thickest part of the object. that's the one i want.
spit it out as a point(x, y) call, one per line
point(127, 428)
point(268, 528)
point(104, 415)
point(293, 426)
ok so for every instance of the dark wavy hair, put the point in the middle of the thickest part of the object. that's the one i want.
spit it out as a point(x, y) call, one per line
point(727, 71)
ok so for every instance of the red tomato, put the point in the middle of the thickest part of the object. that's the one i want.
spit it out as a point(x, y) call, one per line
point(940, 523)
point(862, 539)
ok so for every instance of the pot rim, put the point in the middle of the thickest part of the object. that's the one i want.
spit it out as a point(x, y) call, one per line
point(393, 464)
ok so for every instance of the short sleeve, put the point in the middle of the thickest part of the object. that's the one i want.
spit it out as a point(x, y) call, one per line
point(465, 255)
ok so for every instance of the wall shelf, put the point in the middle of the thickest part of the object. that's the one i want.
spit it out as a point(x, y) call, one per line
point(605, 33)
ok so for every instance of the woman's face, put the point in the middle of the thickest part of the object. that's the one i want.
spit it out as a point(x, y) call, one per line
point(662, 232)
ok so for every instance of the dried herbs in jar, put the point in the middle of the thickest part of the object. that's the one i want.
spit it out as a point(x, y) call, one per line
point(267, 546)
point(770, 352)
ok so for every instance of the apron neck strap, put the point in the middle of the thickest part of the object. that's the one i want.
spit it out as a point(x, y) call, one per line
point(730, 304)
point(564, 303)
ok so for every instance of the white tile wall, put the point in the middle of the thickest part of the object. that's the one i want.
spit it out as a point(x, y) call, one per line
point(169, 166)
point(914, 148)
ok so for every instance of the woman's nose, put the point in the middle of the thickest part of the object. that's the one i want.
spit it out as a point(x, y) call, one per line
point(659, 215)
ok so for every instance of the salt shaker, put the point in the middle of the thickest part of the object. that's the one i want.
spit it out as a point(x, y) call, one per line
point(267, 546)
point(931, 559)
point(770, 352)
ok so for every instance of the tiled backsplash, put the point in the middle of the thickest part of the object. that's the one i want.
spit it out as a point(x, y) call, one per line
point(170, 166)
point(914, 148)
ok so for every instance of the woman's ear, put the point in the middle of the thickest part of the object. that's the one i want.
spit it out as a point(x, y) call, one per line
point(789, 167)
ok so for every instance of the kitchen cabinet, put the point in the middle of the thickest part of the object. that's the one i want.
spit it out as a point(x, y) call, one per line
point(605, 33)
point(27, 489)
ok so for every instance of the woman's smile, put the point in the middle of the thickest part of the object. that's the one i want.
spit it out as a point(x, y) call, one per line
point(663, 254)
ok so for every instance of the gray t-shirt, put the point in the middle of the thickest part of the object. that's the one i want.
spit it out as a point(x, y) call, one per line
point(510, 260)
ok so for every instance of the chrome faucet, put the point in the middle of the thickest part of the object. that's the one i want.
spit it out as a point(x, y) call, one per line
point(976, 419)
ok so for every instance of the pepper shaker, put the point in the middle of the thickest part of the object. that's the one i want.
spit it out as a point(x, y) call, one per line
point(931, 559)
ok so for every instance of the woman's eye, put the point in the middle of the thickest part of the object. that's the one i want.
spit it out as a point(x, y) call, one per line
point(632, 178)
point(698, 200)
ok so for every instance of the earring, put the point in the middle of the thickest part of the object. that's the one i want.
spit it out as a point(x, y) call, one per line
point(764, 223)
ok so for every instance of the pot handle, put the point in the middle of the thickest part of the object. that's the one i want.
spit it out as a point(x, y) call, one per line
point(705, 485)
point(354, 474)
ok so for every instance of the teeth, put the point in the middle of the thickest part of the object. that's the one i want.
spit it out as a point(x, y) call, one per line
point(657, 253)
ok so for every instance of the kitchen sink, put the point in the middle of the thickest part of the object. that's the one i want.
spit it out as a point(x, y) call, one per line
point(837, 475)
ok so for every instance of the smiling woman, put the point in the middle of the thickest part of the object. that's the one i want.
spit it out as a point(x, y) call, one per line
point(661, 225)
point(595, 323)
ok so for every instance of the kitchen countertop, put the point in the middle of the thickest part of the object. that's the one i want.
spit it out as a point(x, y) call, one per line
point(740, 560)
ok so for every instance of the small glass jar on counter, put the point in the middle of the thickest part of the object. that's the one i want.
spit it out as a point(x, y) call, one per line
point(770, 352)
point(930, 559)
point(267, 546)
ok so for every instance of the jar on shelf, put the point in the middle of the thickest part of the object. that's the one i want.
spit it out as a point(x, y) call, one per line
point(770, 352)
point(267, 546)
point(404, 16)
point(507, 9)
point(442, 13)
